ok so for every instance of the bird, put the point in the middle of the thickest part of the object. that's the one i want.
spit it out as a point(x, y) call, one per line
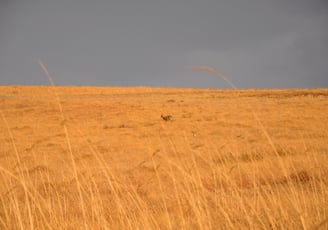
point(166, 117)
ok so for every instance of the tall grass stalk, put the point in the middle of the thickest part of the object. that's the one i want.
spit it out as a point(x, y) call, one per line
point(78, 184)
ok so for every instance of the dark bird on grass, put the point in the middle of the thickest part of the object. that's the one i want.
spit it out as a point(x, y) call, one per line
point(166, 117)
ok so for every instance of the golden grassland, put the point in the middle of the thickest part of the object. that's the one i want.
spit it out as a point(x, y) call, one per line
point(103, 158)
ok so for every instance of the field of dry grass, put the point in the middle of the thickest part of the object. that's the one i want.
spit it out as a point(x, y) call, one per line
point(103, 158)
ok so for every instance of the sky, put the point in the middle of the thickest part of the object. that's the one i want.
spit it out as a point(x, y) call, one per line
point(254, 43)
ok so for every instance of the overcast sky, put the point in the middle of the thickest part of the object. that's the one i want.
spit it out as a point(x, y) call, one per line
point(255, 43)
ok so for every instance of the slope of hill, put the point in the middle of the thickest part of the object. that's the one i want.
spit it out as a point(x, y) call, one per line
point(99, 157)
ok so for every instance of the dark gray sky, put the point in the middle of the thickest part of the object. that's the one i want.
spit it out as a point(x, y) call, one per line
point(255, 43)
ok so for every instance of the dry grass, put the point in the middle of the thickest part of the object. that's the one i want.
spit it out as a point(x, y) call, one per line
point(105, 159)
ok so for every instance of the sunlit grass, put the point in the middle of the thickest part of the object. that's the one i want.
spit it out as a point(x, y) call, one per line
point(103, 158)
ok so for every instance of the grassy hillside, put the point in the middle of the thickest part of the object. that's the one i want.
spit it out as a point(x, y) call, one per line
point(103, 158)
